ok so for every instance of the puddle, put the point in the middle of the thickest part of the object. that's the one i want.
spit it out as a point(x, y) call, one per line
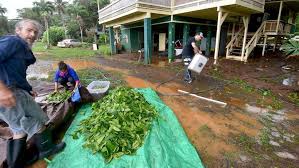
point(286, 155)
point(78, 64)
point(290, 81)
point(37, 76)
point(256, 110)
point(39, 70)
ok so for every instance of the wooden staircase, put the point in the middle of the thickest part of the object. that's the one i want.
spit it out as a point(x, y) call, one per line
point(234, 48)
point(268, 32)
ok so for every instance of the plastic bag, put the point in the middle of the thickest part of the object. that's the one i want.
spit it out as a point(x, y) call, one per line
point(76, 97)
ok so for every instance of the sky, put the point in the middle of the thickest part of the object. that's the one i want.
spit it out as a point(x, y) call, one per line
point(13, 5)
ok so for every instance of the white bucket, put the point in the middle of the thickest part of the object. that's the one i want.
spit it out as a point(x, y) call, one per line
point(198, 62)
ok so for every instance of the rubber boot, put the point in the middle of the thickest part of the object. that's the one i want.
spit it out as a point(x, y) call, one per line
point(16, 153)
point(45, 145)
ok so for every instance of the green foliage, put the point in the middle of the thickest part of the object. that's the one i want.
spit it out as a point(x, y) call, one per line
point(294, 97)
point(4, 29)
point(105, 50)
point(56, 34)
point(29, 13)
point(244, 85)
point(2, 10)
point(57, 97)
point(73, 29)
point(247, 143)
point(264, 137)
point(103, 39)
point(43, 8)
point(290, 48)
point(118, 124)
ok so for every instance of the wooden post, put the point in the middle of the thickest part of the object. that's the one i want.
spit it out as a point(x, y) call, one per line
point(264, 46)
point(233, 30)
point(245, 21)
point(220, 20)
point(279, 16)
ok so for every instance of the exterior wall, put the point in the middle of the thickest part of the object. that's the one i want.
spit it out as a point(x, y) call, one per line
point(132, 35)
point(136, 40)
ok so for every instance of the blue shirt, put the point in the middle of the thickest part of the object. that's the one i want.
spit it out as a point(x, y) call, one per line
point(15, 57)
point(69, 73)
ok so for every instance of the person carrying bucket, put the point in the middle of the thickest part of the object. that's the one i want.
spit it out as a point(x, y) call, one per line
point(189, 50)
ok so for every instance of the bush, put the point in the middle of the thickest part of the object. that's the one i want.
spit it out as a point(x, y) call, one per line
point(290, 48)
point(56, 34)
point(103, 39)
point(105, 50)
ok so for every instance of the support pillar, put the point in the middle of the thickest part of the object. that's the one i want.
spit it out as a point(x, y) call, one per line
point(171, 40)
point(112, 41)
point(186, 31)
point(233, 30)
point(221, 17)
point(279, 16)
point(245, 22)
point(209, 41)
point(264, 45)
point(147, 39)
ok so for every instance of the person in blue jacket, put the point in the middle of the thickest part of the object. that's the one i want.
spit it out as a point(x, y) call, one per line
point(18, 109)
point(65, 74)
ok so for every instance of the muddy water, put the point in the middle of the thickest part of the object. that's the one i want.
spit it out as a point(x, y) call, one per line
point(78, 64)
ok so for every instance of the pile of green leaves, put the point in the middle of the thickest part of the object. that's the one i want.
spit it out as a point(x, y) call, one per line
point(57, 97)
point(118, 124)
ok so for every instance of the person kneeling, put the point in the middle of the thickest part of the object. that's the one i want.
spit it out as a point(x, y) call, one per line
point(65, 74)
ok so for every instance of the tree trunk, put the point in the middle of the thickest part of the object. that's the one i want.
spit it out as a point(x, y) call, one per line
point(47, 28)
point(81, 31)
point(64, 26)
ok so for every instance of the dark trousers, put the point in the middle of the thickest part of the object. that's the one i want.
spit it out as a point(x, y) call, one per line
point(64, 81)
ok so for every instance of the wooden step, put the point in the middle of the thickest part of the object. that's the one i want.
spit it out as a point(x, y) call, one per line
point(235, 53)
point(233, 57)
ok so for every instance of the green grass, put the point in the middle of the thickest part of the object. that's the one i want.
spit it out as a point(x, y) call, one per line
point(294, 97)
point(216, 73)
point(264, 137)
point(244, 85)
point(56, 53)
point(247, 143)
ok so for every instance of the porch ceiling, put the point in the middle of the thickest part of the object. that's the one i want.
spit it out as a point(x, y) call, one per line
point(131, 18)
point(292, 4)
point(212, 14)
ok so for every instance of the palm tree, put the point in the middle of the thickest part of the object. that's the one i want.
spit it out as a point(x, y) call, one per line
point(78, 11)
point(2, 10)
point(44, 8)
point(60, 7)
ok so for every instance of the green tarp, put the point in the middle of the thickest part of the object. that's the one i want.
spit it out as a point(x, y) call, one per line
point(166, 146)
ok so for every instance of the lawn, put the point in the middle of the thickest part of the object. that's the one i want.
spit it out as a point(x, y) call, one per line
point(56, 53)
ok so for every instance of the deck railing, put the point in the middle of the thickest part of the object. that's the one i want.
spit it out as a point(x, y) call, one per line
point(271, 26)
point(118, 7)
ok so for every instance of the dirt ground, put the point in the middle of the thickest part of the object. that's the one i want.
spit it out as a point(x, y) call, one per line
point(259, 127)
